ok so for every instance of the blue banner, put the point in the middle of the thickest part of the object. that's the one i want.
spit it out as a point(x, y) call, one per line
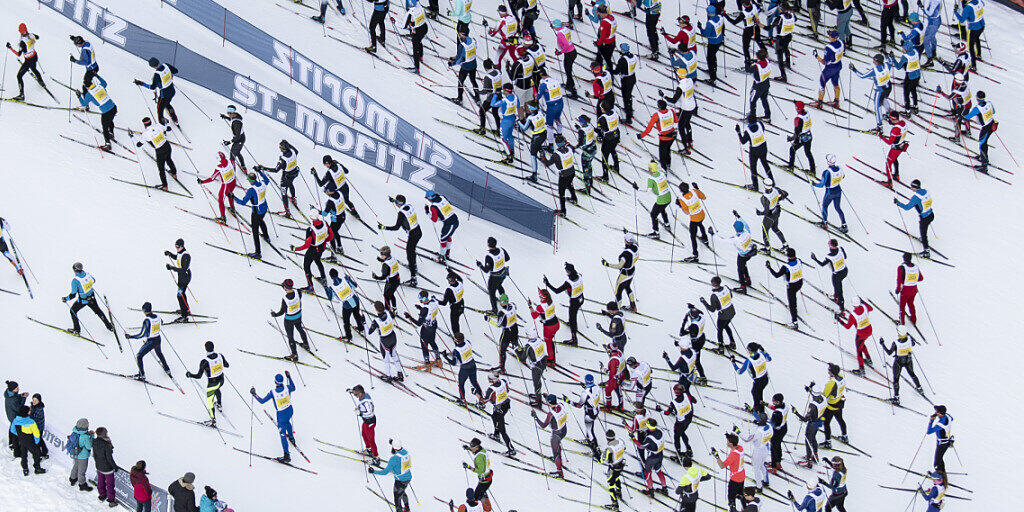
point(378, 137)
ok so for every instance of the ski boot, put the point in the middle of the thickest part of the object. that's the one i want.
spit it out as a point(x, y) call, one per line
point(926, 253)
point(401, 377)
point(843, 439)
point(493, 436)
point(410, 282)
point(212, 422)
point(690, 259)
point(19, 97)
point(858, 371)
point(72, 330)
point(654, 234)
point(255, 255)
point(291, 357)
point(844, 229)
point(284, 459)
point(511, 452)
point(894, 400)
point(827, 444)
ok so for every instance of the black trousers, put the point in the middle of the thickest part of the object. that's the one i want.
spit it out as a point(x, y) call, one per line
point(574, 310)
point(806, 145)
point(455, 315)
point(164, 162)
point(836, 414)
point(236, 152)
point(428, 337)
point(89, 75)
point(757, 392)
point(164, 104)
point(656, 210)
point(940, 453)
point(184, 278)
point(577, 6)
point(836, 501)
point(923, 224)
point(651, 23)
point(390, 287)
point(712, 57)
point(29, 64)
point(974, 43)
point(312, 257)
point(898, 365)
point(694, 228)
point(498, 419)
point(782, 54)
point(417, 45)
point(29, 447)
point(722, 324)
point(665, 152)
point(758, 154)
point(734, 493)
point(860, 10)
point(570, 80)
point(346, 317)
point(467, 373)
point(471, 74)
point(770, 223)
point(93, 305)
point(290, 326)
point(679, 434)
point(485, 107)
point(257, 224)
point(811, 440)
point(910, 92)
point(509, 336)
point(107, 124)
point(759, 92)
point(377, 29)
point(401, 498)
point(565, 179)
point(410, 248)
point(837, 287)
point(495, 287)
point(792, 291)
point(776, 445)
point(887, 31)
point(626, 85)
point(750, 34)
point(609, 157)
point(685, 128)
point(741, 267)
point(604, 53)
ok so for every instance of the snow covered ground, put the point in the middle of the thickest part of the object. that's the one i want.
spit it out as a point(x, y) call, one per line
point(64, 207)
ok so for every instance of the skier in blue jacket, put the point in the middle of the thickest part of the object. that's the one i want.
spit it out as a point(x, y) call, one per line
point(150, 331)
point(86, 58)
point(508, 108)
point(922, 202)
point(813, 501)
point(831, 180)
point(96, 93)
point(282, 397)
point(972, 18)
point(84, 295)
point(400, 465)
point(163, 83)
point(257, 195)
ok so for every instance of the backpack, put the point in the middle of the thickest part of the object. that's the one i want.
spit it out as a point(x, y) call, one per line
point(72, 446)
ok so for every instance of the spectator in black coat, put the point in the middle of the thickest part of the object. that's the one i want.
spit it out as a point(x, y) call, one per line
point(184, 493)
point(39, 416)
point(103, 454)
point(13, 400)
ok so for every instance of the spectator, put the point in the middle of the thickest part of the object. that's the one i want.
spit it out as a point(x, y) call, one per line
point(28, 439)
point(209, 502)
point(143, 492)
point(183, 493)
point(39, 417)
point(79, 446)
point(12, 402)
point(103, 452)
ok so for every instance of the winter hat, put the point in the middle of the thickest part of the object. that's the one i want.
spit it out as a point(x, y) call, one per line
point(208, 346)
point(210, 492)
point(23, 410)
point(711, 10)
point(82, 424)
point(830, 158)
point(188, 478)
point(154, 62)
point(470, 494)
point(396, 444)
point(11, 385)
point(279, 378)
point(624, 47)
point(738, 226)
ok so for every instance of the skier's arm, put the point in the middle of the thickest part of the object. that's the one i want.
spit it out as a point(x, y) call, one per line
point(265, 399)
point(281, 310)
point(204, 369)
point(143, 331)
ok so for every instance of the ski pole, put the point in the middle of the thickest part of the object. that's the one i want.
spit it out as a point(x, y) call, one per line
point(911, 465)
point(929, 317)
point(3, 81)
point(1007, 150)
point(201, 111)
point(239, 393)
point(855, 214)
point(295, 363)
point(251, 416)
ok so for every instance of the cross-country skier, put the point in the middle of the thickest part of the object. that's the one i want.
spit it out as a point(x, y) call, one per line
point(465, 59)
point(453, 299)
point(389, 275)
point(336, 177)
point(533, 124)
point(771, 211)
point(693, 325)
point(426, 320)
point(833, 64)
point(573, 287)
point(182, 262)
point(880, 75)
point(734, 465)
point(84, 294)
point(793, 272)
point(614, 460)
point(30, 59)
point(985, 113)
point(691, 200)
point(323, 10)
point(684, 97)
point(815, 498)
point(507, 105)
point(640, 377)
point(441, 210)
point(745, 249)
point(400, 464)
point(783, 28)
point(754, 134)
point(332, 213)
point(482, 467)
point(653, 447)
point(534, 355)
point(464, 357)
point(685, 364)
point(802, 136)
point(691, 478)
point(859, 317)
point(495, 266)
point(471, 505)
point(556, 417)
point(902, 352)
point(625, 69)
point(940, 423)
point(368, 421)
point(831, 180)
point(627, 268)
point(836, 484)
point(720, 300)
point(681, 409)
point(897, 141)
point(590, 401)
point(936, 493)
point(498, 395)
point(257, 195)
point(922, 202)
point(586, 142)
point(545, 310)
point(212, 367)
point(345, 290)
point(835, 259)
point(748, 17)
point(910, 61)
point(908, 275)
point(225, 172)
point(87, 59)
point(416, 24)
point(237, 141)
point(507, 319)
point(608, 129)
point(507, 29)
point(813, 418)
point(565, 45)
point(462, 15)
point(666, 121)
point(5, 249)
point(758, 438)
point(384, 325)
point(163, 85)
point(281, 394)
point(760, 90)
point(605, 42)
point(155, 136)
point(971, 21)
point(612, 382)
point(779, 421)
point(288, 166)
point(376, 26)
point(291, 308)
point(150, 331)
point(317, 236)
point(757, 364)
point(408, 221)
point(96, 93)
point(835, 400)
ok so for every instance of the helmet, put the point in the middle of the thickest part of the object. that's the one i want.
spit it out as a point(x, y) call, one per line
point(279, 378)
point(208, 346)
point(830, 158)
point(769, 183)
point(287, 283)
point(22, 29)
point(503, 299)
point(913, 17)
point(154, 62)
point(424, 296)
point(560, 140)
point(892, 115)
point(901, 331)
point(711, 10)
point(738, 226)
point(629, 238)
point(395, 444)
point(685, 19)
point(980, 95)
point(833, 33)
point(78, 40)
point(915, 184)
point(631, 361)
point(470, 494)
point(588, 380)
point(146, 121)
point(961, 48)
point(179, 243)
point(430, 194)
point(958, 77)
point(230, 109)
point(77, 267)
point(624, 47)
point(551, 399)
point(681, 73)
point(798, 104)
point(556, 23)
point(507, 87)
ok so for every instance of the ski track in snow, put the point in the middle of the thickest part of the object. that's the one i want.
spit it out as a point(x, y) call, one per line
point(64, 208)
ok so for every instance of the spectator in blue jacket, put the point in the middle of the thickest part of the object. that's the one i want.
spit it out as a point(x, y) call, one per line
point(28, 439)
point(80, 451)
